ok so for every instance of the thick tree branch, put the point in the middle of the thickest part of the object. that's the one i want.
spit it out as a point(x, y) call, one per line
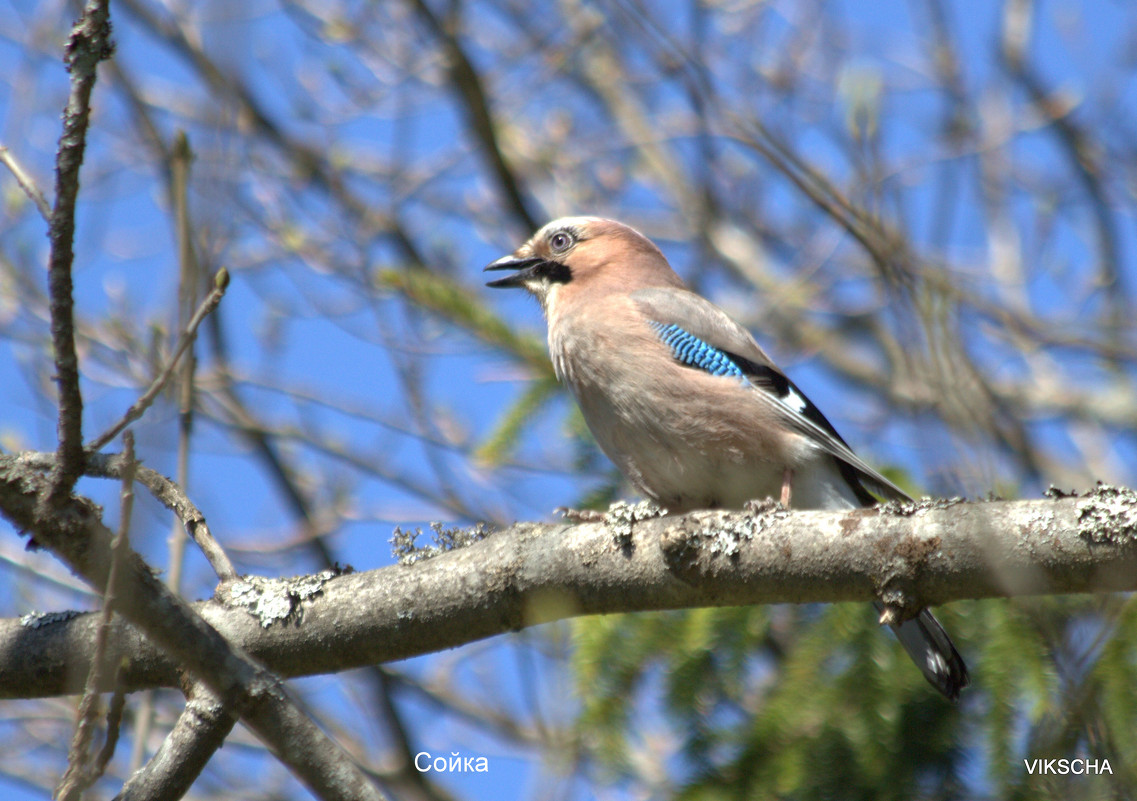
point(911, 556)
point(74, 532)
point(201, 729)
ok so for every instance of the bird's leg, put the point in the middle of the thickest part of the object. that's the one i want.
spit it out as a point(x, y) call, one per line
point(787, 477)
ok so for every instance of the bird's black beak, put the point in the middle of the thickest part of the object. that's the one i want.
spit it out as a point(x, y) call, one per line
point(525, 268)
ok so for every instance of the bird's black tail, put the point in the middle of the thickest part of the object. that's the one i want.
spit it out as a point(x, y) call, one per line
point(931, 649)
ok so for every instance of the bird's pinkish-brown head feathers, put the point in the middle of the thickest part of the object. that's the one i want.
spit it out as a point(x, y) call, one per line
point(571, 257)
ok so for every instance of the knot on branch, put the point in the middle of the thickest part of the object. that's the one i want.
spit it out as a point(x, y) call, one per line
point(90, 39)
point(904, 557)
point(902, 562)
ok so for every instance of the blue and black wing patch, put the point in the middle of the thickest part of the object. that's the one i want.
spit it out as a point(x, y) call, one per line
point(699, 354)
point(694, 352)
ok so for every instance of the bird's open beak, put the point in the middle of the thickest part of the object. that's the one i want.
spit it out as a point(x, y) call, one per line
point(524, 266)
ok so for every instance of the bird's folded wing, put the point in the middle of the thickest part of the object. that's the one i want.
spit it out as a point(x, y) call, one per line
point(702, 335)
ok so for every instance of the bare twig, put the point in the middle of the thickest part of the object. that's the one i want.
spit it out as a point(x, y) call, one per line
point(181, 157)
point(89, 44)
point(114, 727)
point(164, 491)
point(1085, 157)
point(80, 773)
point(26, 182)
point(306, 159)
point(221, 281)
point(414, 783)
point(469, 84)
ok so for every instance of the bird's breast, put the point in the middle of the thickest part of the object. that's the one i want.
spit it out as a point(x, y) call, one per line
point(684, 437)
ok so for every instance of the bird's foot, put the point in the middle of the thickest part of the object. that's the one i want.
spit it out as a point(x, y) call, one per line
point(580, 515)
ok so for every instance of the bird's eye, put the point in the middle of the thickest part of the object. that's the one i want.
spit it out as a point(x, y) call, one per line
point(560, 241)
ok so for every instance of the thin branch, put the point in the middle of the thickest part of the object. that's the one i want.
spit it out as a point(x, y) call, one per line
point(178, 158)
point(188, 281)
point(27, 183)
point(414, 783)
point(89, 44)
point(221, 282)
point(201, 729)
point(80, 774)
point(1082, 154)
point(306, 159)
point(114, 727)
point(468, 82)
point(164, 491)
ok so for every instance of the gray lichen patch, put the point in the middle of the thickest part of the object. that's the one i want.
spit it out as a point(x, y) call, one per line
point(723, 534)
point(1109, 516)
point(35, 620)
point(405, 547)
point(276, 600)
point(1040, 520)
point(622, 517)
point(725, 537)
point(917, 507)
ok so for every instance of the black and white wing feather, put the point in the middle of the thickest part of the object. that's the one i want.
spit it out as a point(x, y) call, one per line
point(704, 337)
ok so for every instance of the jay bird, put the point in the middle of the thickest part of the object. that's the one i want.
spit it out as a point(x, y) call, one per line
point(685, 402)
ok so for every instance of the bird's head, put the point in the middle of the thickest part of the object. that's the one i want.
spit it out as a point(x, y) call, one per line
point(574, 253)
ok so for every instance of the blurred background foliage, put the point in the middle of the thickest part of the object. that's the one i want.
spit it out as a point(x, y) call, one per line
point(924, 209)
